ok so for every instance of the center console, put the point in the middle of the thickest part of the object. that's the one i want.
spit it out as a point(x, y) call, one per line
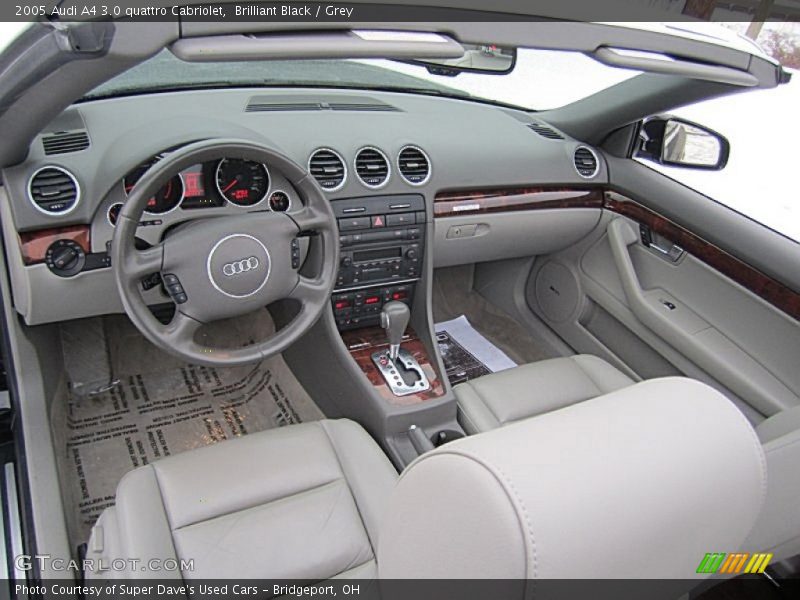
point(382, 241)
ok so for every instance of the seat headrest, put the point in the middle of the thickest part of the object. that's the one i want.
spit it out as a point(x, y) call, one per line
point(639, 483)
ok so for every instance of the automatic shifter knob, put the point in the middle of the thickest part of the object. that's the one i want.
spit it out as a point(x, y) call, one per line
point(394, 319)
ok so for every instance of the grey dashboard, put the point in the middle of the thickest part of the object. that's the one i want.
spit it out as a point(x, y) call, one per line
point(468, 145)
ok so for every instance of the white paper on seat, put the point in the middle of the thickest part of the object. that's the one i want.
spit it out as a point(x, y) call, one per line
point(466, 353)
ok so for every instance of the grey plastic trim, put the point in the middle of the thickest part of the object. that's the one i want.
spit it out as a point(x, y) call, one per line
point(14, 519)
point(428, 158)
point(596, 160)
point(385, 182)
point(68, 174)
point(697, 339)
point(339, 156)
point(266, 195)
point(681, 68)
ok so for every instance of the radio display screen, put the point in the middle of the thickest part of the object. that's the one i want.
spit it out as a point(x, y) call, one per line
point(378, 254)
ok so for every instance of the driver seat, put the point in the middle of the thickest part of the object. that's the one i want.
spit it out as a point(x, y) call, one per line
point(300, 502)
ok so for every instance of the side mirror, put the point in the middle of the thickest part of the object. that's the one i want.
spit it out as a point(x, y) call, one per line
point(680, 143)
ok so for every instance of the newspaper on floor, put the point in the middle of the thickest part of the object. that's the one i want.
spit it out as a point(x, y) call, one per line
point(466, 353)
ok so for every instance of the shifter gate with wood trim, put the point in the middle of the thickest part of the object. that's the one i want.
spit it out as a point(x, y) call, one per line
point(399, 368)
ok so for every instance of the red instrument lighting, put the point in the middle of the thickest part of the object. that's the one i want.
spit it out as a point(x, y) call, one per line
point(372, 300)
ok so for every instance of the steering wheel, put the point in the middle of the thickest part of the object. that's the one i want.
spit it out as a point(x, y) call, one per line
point(220, 267)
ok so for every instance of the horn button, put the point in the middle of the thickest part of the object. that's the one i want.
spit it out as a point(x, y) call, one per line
point(239, 265)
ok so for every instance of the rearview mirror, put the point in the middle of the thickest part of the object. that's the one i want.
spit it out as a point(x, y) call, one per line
point(478, 58)
point(681, 143)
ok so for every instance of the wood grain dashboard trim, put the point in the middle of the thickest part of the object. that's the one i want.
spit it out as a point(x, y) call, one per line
point(474, 202)
point(770, 290)
point(34, 244)
point(361, 343)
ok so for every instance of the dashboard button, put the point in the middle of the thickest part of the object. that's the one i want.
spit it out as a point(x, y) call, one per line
point(353, 223)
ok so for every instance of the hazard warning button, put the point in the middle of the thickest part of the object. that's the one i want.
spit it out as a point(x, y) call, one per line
point(378, 221)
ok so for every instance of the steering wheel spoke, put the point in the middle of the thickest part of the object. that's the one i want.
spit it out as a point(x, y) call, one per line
point(181, 330)
point(309, 290)
point(311, 219)
point(139, 263)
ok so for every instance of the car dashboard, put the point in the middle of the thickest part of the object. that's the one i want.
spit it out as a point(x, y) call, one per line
point(381, 158)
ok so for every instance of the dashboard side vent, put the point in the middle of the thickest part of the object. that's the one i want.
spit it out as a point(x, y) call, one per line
point(65, 142)
point(372, 167)
point(328, 168)
point(586, 162)
point(545, 131)
point(54, 190)
point(414, 165)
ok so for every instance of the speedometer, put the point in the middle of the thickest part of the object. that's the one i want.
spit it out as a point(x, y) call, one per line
point(242, 182)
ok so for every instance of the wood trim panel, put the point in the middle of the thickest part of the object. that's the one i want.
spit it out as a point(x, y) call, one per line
point(764, 286)
point(363, 342)
point(475, 202)
point(34, 244)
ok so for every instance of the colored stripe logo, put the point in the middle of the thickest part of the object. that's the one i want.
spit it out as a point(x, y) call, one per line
point(734, 563)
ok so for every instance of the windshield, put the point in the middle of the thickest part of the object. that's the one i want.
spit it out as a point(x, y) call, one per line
point(541, 79)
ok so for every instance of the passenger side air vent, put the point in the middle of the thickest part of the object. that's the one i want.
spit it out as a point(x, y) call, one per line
point(545, 131)
point(372, 167)
point(414, 165)
point(65, 142)
point(585, 162)
point(328, 168)
point(54, 190)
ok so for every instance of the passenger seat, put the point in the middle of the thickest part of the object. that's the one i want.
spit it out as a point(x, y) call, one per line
point(501, 398)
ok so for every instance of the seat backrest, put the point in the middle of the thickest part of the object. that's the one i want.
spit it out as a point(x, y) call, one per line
point(638, 483)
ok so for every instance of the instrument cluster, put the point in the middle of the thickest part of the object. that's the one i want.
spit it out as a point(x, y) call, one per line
point(238, 182)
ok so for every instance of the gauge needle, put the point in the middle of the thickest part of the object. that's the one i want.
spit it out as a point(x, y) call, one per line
point(229, 186)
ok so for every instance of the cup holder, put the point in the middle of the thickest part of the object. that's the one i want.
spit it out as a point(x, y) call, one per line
point(444, 436)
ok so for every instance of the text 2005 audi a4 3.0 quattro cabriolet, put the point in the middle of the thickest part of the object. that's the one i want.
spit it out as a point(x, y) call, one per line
point(294, 303)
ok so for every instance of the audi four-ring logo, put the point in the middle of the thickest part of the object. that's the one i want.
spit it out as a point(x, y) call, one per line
point(240, 266)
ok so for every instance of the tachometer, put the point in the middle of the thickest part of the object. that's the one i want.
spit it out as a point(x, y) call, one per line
point(167, 198)
point(242, 182)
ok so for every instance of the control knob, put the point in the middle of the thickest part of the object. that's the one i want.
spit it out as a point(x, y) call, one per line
point(412, 253)
point(65, 258)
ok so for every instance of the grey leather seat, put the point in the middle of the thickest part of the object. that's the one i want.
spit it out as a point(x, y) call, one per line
point(778, 527)
point(298, 502)
point(528, 390)
point(625, 485)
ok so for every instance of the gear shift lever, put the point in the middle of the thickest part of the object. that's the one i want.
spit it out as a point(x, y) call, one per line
point(399, 368)
point(394, 319)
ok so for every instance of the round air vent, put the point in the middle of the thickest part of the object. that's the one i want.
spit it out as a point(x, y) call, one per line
point(586, 162)
point(54, 191)
point(414, 165)
point(328, 168)
point(372, 167)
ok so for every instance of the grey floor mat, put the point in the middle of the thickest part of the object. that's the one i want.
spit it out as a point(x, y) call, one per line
point(453, 296)
point(162, 407)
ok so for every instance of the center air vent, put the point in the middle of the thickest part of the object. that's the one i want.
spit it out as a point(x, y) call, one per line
point(585, 162)
point(545, 131)
point(54, 190)
point(372, 167)
point(328, 168)
point(65, 142)
point(414, 165)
